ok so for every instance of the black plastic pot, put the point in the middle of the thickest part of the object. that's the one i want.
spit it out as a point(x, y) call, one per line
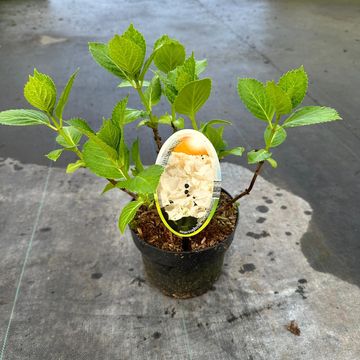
point(183, 274)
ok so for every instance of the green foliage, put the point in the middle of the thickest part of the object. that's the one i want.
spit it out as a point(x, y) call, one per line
point(128, 213)
point(170, 55)
point(54, 155)
point(145, 182)
point(192, 97)
point(135, 154)
point(256, 156)
point(274, 137)
point(65, 95)
point(71, 139)
point(23, 117)
point(72, 167)
point(310, 115)
point(295, 83)
point(279, 98)
point(40, 92)
point(253, 94)
point(153, 92)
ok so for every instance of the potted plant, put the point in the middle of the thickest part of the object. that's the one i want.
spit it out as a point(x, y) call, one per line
point(180, 266)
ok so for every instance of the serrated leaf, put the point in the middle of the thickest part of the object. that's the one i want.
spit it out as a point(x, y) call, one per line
point(118, 114)
point(295, 83)
point(135, 154)
point(85, 129)
point(186, 73)
point(153, 92)
point(54, 155)
point(192, 97)
point(65, 95)
point(73, 136)
point(253, 94)
point(136, 37)
point(23, 117)
point(272, 162)
point(100, 53)
point(126, 83)
point(99, 162)
point(145, 182)
point(40, 91)
point(256, 156)
point(237, 151)
point(275, 139)
point(109, 133)
point(72, 167)
point(133, 114)
point(200, 66)
point(126, 54)
point(170, 55)
point(128, 213)
point(279, 98)
point(310, 115)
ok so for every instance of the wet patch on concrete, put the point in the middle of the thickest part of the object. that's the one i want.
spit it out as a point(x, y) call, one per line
point(258, 236)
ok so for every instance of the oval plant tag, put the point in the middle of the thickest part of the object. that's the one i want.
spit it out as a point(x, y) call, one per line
point(189, 188)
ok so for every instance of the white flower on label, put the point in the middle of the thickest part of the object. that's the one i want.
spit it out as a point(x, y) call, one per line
point(186, 185)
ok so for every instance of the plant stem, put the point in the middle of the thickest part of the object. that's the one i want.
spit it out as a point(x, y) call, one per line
point(114, 182)
point(193, 121)
point(173, 117)
point(153, 124)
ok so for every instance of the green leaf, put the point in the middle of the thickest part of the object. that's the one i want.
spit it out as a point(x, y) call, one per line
point(145, 182)
point(216, 138)
point(237, 151)
point(126, 83)
point(126, 54)
point(73, 135)
point(23, 117)
point(100, 53)
point(136, 37)
point(72, 167)
point(40, 91)
point(118, 114)
point(179, 123)
point(186, 73)
point(153, 92)
point(99, 162)
point(279, 98)
point(254, 96)
point(54, 155)
point(65, 95)
point(272, 162)
point(108, 186)
point(214, 122)
point(192, 97)
point(135, 154)
point(309, 115)
point(256, 156)
point(273, 140)
point(200, 66)
point(170, 55)
point(165, 119)
point(85, 129)
point(295, 83)
point(109, 133)
point(133, 114)
point(144, 122)
point(128, 213)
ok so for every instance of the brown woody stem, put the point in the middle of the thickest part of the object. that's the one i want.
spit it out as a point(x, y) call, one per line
point(114, 182)
point(157, 138)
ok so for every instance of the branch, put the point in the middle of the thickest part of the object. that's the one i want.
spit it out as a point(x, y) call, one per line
point(246, 191)
point(157, 139)
point(114, 182)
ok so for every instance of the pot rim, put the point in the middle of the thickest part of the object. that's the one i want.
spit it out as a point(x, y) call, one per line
point(145, 243)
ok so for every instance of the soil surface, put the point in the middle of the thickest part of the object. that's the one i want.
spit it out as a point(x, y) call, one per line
point(149, 227)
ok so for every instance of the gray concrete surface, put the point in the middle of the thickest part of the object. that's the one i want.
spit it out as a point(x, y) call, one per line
point(318, 164)
point(83, 293)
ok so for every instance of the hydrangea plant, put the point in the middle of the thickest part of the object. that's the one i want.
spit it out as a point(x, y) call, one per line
point(167, 71)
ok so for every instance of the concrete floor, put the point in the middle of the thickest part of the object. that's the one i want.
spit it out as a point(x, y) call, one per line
point(239, 38)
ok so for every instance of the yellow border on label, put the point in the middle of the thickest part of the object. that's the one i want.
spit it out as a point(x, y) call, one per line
point(202, 227)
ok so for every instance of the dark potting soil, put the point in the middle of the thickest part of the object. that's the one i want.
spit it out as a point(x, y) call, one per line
point(149, 227)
